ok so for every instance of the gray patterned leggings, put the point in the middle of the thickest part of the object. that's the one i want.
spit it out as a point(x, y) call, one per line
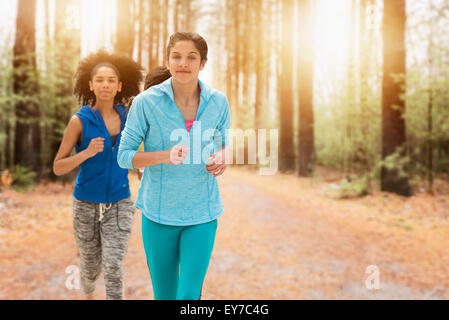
point(102, 234)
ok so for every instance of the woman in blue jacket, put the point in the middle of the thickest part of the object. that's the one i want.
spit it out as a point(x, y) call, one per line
point(183, 125)
point(102, 207)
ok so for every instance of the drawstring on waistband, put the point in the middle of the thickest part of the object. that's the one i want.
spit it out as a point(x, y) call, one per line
point(103, 208)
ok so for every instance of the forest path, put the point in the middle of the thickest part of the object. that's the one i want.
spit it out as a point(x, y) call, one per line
point(281, 237)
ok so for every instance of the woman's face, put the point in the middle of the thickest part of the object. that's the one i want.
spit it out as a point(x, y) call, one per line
point(105, 84)
point(184, 61)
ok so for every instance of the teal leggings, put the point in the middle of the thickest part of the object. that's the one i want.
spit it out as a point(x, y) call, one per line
point(178, 257)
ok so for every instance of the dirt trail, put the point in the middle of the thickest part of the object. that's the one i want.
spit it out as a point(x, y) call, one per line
point(281, 237)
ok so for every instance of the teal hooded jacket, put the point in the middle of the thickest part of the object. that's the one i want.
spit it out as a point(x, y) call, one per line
point(182, 194)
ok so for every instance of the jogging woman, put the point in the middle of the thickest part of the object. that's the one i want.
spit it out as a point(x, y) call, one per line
point(102, 207)
point(182, 123)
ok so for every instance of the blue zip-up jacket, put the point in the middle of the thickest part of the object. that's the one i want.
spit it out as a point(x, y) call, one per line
point(176, 194)
point(100, 179)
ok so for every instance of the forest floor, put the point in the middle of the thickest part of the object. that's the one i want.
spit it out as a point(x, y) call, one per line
point(281, 237)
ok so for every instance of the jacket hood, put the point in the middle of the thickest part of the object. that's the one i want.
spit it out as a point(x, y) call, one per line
point(94, 116)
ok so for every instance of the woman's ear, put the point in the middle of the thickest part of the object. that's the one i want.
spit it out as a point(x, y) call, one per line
point(119, 86)
point(203, 63)
point(91, 86)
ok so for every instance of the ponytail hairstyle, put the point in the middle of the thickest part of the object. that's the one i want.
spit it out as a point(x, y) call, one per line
point(129, 72)
point(154, 77)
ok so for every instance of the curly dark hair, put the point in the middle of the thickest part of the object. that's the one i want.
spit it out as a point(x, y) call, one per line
point(130, 73)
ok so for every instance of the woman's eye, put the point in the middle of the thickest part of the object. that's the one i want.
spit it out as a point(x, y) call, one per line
point(175, 57)
point(192, 58)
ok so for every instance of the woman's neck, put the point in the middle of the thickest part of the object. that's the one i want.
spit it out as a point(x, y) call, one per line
point(185, 93)
point(106, 108)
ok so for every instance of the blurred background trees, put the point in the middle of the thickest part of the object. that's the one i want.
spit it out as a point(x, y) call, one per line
point(359, 86)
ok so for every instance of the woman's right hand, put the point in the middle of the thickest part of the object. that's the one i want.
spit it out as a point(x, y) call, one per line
point(95, 145)
point(177, 154)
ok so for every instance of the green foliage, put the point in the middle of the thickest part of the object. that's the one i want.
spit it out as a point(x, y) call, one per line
point(348, 133)
point(23, 178)
point(7, 103)
point(55, 99)
point(443, 165)
point(358, 185)
point(49, 88)
point(420, 112)
point(354, 186)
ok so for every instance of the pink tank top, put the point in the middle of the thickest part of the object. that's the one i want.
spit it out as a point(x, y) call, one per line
point(189, 124)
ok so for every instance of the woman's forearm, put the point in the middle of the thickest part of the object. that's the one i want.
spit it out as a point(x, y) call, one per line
point(146, 159)
point(63, 166)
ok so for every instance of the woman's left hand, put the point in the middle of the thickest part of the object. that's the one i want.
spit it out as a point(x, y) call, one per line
point(216, 164)
point(140, 173)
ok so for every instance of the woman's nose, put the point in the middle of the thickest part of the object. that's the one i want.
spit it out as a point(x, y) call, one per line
point(183, 62)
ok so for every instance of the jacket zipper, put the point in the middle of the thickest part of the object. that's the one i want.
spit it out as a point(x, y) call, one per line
point(196, 116)
point(108, 168)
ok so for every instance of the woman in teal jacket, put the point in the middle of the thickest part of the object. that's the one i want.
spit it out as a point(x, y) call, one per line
point(183, 125)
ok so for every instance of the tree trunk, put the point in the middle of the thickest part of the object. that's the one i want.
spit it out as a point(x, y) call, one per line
point(286, 148)
point(306, 159)
point(157, 32)
point(140, 35)
point(351, 92)
point(151, 16)
point(47, 112)
point(393, 107)
point(8, 161)
point(364, 54)
point(27, 144)
point(267, 49)
point(245, 57)
point(187, 15)
point(165, 33)
point(67, 43)
point(47, 22)
point(229, 52)
point(430, 166)
point(176, 15)
point(258, 108)
point(124, 42)
point(237, 66)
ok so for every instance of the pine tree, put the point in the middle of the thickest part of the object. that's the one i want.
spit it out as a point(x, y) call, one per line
point(27, 131)
point(393, 106)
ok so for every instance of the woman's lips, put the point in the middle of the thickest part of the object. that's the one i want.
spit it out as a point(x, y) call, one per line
point(183, 71)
